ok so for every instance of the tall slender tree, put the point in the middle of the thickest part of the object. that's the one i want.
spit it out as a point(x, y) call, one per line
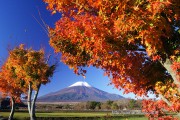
point(135, 42)
point(31, 70)
point(10, 86)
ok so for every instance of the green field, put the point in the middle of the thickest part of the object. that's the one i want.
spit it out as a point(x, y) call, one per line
point(77, 116)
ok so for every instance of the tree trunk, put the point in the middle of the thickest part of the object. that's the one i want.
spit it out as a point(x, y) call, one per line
point(29, 98)
point(178, 115)
point(165, 100)
point(12, 109)
point(167, 64)
point(33, 104)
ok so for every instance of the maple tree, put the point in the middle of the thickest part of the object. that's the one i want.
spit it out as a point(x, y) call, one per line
point(10, 86)
point(135, 42)
point(31, 70)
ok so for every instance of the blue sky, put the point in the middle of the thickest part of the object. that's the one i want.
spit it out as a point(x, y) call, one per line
point(18, 25)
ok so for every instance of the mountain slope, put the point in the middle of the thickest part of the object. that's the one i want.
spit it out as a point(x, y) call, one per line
point(81, 91)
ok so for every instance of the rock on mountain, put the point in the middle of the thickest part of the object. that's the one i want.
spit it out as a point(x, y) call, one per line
point(79, 91)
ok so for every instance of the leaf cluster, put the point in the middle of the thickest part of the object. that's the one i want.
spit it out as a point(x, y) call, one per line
point(22, 67)
point(124, 38)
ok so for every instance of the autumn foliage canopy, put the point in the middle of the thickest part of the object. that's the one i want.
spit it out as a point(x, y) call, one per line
point(9, 83)
point(23, 72)
point(22, 67)
point(135, 42)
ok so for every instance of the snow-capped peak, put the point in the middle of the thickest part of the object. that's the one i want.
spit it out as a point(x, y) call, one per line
point(80, 83)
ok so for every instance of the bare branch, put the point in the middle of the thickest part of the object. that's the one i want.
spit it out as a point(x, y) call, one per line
point(48, 58)
point(165, 100)
point(44, 26)
point(40, 24)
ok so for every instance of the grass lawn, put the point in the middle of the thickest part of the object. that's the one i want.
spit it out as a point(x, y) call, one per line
point(22, 115)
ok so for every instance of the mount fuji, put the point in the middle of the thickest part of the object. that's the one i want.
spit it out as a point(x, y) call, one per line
point(80, 83)
point(79, 91)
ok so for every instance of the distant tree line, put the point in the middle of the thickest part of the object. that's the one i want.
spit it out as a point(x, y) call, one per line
point(129, 104)
point(125, 104)
point(5, 104)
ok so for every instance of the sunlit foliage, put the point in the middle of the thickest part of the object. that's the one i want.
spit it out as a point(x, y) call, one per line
point(135, 42)
point(23, 72)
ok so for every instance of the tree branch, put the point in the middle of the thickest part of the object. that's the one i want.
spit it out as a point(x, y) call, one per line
point(167, 64)
point(165, 100)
